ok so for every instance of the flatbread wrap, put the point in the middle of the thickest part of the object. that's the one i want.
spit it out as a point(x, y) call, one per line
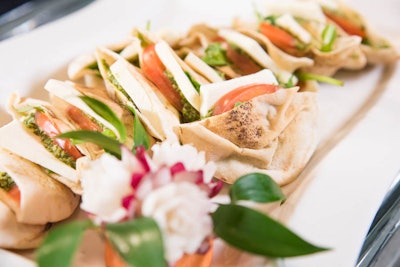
point(15, 235)
point(65, 96)
point(273, 133)
point(127, 85)
point(33, 135)
point(33, 196)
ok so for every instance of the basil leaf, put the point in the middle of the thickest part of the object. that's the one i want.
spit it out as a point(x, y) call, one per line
point(255, 232)
point(215, 55)
point(195, 83)
point(256, 187)
point(109, 144)
point(138, 242)
point(302, 76)
point(329, 34)
point(61, 243)
point(140, 136)
point(107, 113)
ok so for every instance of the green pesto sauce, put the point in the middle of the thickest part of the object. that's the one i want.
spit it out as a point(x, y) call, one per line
point(6, 182)
point(189, 113)
point(48, 142)
point(114, 81)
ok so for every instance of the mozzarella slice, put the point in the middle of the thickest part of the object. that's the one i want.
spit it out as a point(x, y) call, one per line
point(256, 52)
point(287, 22)
point(211, 93)
point(165, 53)
point(201, 67)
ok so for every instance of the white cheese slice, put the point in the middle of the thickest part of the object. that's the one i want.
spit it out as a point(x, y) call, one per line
point(308, 10)
point(211, 93)
point(201, 67)
point(68, 93)
point(165, 53)
point(159, 116)
point(256, 52)
point(287, 22)
point(16, 139)
point(331, 4)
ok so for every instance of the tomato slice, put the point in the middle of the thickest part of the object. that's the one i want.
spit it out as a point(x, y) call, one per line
point(154, 70)
point(15, 194)
point(346, 24)
point(242, 94)
point(83, 121)
point(278, 37)
point(51, 129)
point(243, 63)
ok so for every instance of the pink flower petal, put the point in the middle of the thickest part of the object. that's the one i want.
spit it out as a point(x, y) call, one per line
point(126, 201)
point(177, 167)
point(135, 180)
point(216, 188)
point(141, 156)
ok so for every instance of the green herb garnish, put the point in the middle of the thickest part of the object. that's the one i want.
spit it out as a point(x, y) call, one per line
point(319, 78)
point(329, 35)
point(215, 55)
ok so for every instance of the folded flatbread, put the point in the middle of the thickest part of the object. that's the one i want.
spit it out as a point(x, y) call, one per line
point(15, 235)
point(42, 198)
point(273, 133)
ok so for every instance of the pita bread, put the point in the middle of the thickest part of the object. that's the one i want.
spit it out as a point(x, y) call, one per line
point(273, 133)
point(43, 199)
point(346, 54)
point(15, 235)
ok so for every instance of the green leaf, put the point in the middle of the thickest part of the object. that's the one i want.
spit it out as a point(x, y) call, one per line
point(109, 144)
point(107, 113)
point(255, 232)
point(329, 34)
point(195, 83)
point(256, 187)
point(319, 78)
point(215, 55)
point(140, 136)
point(138, 242)
point(61, 243)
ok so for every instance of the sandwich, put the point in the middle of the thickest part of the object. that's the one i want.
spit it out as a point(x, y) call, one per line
point(127, 86)
point(66, 99)
point(32, 134)
point(32, 195)
point(299, 28)
point(252, 124)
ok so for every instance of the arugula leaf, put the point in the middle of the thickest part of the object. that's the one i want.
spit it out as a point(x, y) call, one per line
point(138, 242)
point(256, 187)
point(319, 78)
point(329, 34)
point(109, 144)
point(255, 232)
point(215, 55)
point(61, 243)
point(140, 136)
point(107, 113)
